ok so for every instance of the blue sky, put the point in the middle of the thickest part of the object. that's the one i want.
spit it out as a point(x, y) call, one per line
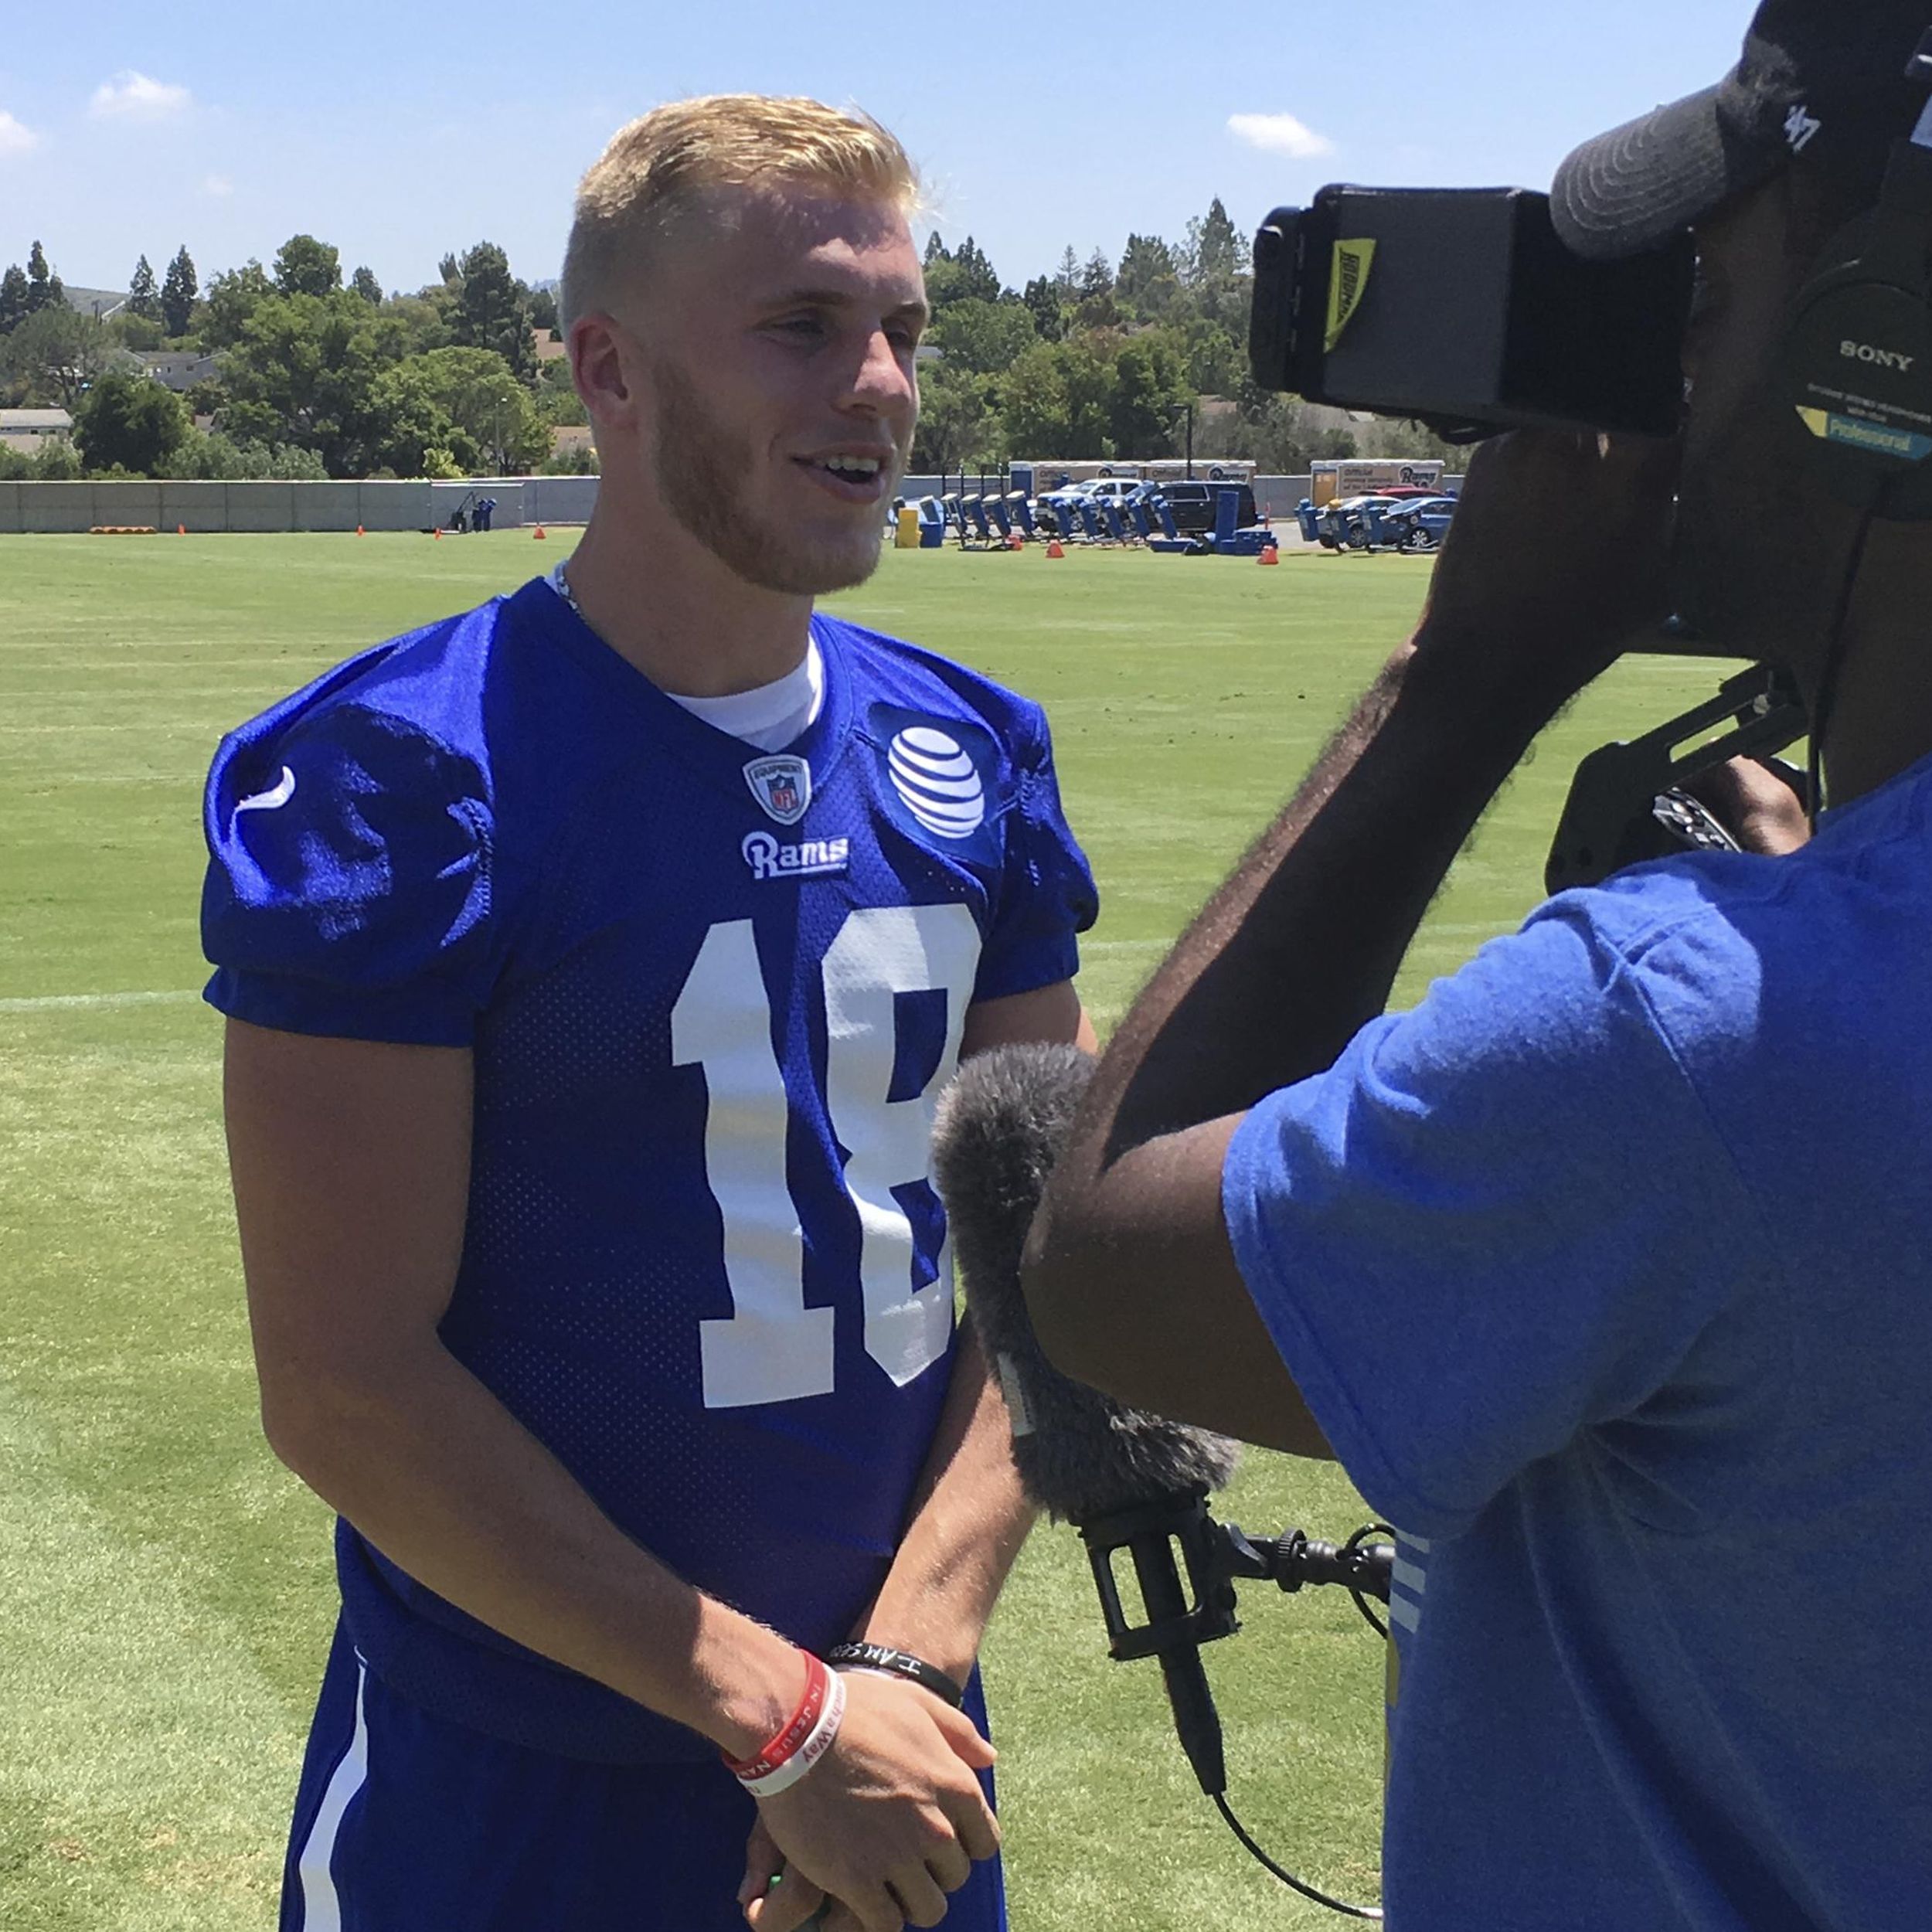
point(400, 131)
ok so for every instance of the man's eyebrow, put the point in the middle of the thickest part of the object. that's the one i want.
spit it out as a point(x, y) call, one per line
point(827, 298)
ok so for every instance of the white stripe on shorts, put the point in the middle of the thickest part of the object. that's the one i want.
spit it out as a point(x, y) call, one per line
point(322, 1909)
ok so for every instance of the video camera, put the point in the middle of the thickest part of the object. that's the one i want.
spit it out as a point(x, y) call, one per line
point(1462, 309)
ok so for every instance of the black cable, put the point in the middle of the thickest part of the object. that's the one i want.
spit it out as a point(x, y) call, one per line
point(1828, 672)
point(1361, 1602)
point(1288, 1878)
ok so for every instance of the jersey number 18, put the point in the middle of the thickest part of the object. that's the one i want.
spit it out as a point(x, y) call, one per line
point(772, 1348)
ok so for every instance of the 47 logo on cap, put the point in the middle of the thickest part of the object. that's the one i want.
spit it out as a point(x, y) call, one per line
point(782, 786)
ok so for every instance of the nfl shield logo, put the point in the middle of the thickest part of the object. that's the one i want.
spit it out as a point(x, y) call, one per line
point(782, 786)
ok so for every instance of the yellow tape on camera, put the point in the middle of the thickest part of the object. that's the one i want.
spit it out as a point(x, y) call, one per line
point(1347, 280)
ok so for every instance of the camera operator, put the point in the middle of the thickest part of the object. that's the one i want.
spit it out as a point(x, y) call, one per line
point(1605, 1271)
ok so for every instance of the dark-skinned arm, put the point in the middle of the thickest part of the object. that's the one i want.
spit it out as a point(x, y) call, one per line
point(1556, 558)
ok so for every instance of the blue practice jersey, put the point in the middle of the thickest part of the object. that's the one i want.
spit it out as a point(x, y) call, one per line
point(712, 995)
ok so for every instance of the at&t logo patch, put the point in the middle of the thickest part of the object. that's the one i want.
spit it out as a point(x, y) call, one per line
point(938, 784)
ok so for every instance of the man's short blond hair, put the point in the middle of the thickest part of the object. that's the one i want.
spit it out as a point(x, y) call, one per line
point(654, 169)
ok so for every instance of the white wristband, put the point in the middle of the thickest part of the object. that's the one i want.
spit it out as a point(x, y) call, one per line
point(817, 1742)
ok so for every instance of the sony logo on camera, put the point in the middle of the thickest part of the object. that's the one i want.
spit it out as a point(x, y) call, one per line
point(1885, 357)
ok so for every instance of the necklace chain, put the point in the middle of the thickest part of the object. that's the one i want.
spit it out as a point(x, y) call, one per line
point(563, 590)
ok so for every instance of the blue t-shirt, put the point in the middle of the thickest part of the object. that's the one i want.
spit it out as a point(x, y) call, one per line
point(712, 995)
point(1608, 1273)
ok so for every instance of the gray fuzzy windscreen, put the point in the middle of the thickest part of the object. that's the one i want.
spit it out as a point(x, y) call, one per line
point(1001, 1125)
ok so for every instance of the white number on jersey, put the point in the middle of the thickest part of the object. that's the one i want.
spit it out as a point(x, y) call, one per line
point(773, 1347)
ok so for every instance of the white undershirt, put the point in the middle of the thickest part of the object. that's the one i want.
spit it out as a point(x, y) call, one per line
point(770, 715)
point(773, 714)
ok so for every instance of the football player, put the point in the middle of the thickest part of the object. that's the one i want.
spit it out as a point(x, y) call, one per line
point(591, 962)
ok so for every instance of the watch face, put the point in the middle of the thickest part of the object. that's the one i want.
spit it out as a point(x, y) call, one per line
point(1691, 823)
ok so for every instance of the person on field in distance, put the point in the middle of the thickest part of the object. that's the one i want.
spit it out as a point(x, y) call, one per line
point(592, 960)
point(1604, 1271)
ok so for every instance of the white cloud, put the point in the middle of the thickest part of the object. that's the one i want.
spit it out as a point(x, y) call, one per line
point(13, 139)
point(218, 185)
point(134, 97)
point(1280, 134)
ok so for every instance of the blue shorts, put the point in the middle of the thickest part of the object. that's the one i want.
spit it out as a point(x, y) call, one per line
point(406, 1822)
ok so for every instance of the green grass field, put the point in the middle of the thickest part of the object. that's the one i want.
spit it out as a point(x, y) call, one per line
point(165, 1591)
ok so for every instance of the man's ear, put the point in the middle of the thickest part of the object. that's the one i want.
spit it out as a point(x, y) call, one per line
point(602, 367)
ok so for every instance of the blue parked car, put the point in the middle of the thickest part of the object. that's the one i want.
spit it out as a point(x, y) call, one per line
point(1416, 526)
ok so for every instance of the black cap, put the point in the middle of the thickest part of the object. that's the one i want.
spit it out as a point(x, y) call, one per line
point(1823, 84)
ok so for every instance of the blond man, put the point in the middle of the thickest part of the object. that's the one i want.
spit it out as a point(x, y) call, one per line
point(591, 961)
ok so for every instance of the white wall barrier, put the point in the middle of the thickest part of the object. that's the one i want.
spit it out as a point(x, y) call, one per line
point(204, 507)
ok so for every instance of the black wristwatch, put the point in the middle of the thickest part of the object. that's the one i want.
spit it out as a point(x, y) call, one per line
point(889, 1662)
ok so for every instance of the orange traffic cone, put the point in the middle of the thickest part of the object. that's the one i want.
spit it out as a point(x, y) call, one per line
point(437, 533)
point(181, 529)
point(358, 529)
point(1269, 555)
point(540, 533)
point(1053, 549)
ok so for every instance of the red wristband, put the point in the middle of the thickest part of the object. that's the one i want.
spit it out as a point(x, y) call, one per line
point(805, 1737)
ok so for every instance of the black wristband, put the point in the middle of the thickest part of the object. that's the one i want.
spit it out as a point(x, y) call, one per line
point(897, 1663)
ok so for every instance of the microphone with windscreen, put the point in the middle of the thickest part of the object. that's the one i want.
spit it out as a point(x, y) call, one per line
point(1129, 1481)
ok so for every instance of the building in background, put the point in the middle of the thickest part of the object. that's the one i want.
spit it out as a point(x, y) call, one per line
point(28, 431)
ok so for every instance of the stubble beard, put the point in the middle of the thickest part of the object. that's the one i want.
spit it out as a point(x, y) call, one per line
point(701, 467)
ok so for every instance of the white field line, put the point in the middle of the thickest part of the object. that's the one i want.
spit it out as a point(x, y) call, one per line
point(59, 1002)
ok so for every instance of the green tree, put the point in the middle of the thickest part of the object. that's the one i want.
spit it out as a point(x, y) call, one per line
point(960, 275)
point(44, 289)
point(411, 433)
point(303, 373)
point(364, 283)
point(56, 460)
point(129, 422)
point(414, 324)
point(957, 423)
point(1214, 251)
point(232, 298)
point(144, 299)
point(13, 298)
point(492, 310)
point(134, 332)
point(977, 280)
point(220, 459)
point(304, 266)
point(56, 353)
point(478, 392)
point(178, 292)
point(1217, 361)
point(1147, 283)
point(543, 312)
point(1096, 307)
point(1055, 401)
point(1043, 303)
point(980, 337)
point(1150, 386)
